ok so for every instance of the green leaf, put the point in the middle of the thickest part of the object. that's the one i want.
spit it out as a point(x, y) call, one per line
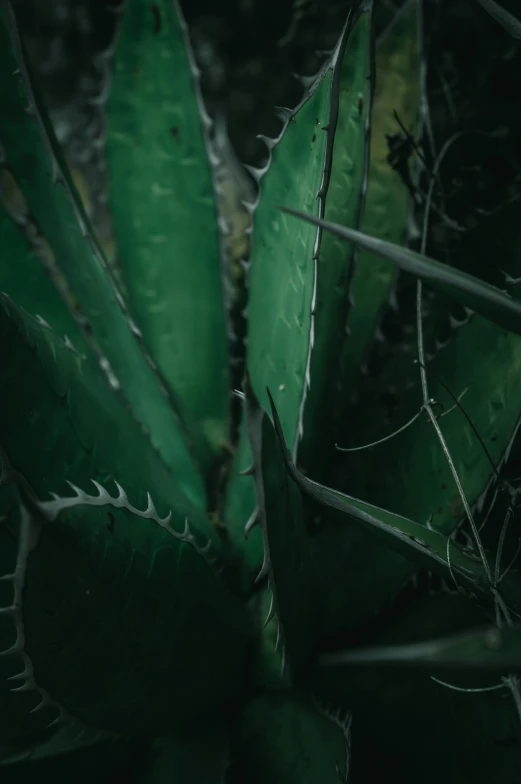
point(469, 732)
point(417, 481)
point(104, 564)
point(287, 559)
point(25, 262)
point(386, 210)
point(76, 266)
point(491, 649)
point(341, 197)
point(281, 285)
point(165, 218)
point(471, 292)
point(418, 544)
point(285, 739)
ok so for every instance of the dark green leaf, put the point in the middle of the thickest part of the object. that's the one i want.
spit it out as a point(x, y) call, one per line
point(287, 559)
point(479, 360)
point(471, 292)
point(165, 219)
point(417, 543)
point(466, 733)
point(281, 284)
point(76, 266)
point(341, 197)
point(386, 210)
point(104, 563)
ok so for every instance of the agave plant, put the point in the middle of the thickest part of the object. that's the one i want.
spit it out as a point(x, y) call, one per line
point(180, 571)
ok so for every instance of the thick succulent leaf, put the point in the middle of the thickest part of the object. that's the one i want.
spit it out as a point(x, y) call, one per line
point(489, 649)
point(165, 219)
point(471, 292)
point(418, 544)
point(22, 273)
point(503, 17)
point(386, 210)
point(287, 559)
point(285, 738)
point(417, 481)
point(57, 228)
point(101, 534)
point(341, 198)
point(460, 734)
point(281, 285)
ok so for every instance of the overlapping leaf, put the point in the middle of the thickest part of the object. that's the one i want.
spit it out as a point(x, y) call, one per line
point(341, 199)
point(417, 543)
point(282, 280)
point(101, 535)
point(281, 285)
point(54, 224)
point(386, 210)
point(471, 292)
point(287, 558)
point(165, 218)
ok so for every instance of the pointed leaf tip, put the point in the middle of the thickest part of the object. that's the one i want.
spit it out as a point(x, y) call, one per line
point(481, 297)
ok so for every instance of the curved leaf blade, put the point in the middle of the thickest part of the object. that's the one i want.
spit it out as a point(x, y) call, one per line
point(418, 544)
point(287, 558)
point(281, 285)
point(471, 292)
point(490, 649)
point(341, 199)
point(386, 209)
point(78, 270)
point(102, 534)
point(162, 200)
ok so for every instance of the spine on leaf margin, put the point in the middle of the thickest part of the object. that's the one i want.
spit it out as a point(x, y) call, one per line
point(333, 409)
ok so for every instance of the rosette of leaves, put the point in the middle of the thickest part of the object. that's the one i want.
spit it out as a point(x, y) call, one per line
point(168, 609)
